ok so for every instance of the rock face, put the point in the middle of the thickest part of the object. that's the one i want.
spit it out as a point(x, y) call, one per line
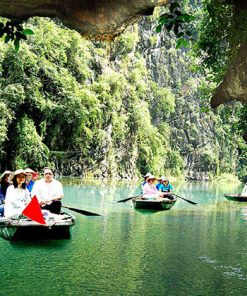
point(192, 132)
point(234, 85)
point(102, 19)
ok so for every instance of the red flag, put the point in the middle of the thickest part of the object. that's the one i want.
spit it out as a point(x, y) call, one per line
point(33, 211)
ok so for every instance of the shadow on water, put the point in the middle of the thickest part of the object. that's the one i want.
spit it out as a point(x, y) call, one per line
point(147, 211)
point(23, 244)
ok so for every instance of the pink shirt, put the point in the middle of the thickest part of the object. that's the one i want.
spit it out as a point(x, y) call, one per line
point(149, 189)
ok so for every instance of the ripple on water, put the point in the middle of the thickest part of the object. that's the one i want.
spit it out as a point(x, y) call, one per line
point(230, 271)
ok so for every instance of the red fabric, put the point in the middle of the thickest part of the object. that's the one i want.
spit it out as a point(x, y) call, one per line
point(33, 211)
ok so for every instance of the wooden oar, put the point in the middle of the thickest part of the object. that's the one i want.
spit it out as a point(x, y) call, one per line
point(190, 201)
point(83, 212)
point(128, 198)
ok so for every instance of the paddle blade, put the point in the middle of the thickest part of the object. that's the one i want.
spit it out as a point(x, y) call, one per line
point(33, 211)
point(128, 198)
point(83, 212)
point(189, 201)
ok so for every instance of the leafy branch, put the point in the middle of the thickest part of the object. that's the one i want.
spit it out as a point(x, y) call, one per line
point(177, 21)
point(13, 30)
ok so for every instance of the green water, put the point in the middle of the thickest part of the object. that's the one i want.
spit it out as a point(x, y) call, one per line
point(189, 250)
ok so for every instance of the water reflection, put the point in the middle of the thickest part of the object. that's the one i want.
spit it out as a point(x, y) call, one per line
point(188, 250)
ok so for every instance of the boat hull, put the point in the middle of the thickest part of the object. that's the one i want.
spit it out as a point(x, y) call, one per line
point(25, 229)
point(236, 197)
point(153, 204)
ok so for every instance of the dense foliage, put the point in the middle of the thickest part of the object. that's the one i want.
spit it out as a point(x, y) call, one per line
point(61, 94)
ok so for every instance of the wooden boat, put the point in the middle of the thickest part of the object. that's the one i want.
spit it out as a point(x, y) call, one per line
point(236, 197)
point(165, 204)
point(56, 227)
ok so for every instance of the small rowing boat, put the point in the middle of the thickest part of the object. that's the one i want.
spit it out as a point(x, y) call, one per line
point(56, 227)
point(164, 204)
point(236, 197)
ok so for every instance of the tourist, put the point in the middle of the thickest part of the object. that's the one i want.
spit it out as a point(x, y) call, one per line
point(144, 181)
point(29, 177)
point(49, 192)
point(160, 179)
point(17, 196)
point(4, 184)
point(150, 191)
point(165, 186)
point(35, 176)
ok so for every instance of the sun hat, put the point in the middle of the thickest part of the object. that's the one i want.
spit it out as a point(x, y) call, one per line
point(161, 178)
point(147, 175)
point(165, 179)
point(151, 177)
point(5, 173)
point(15, 173)
point(28, 171)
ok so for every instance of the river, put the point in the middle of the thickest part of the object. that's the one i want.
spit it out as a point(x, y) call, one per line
point(190, 250)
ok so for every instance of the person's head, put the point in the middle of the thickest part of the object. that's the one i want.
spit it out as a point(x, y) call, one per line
point(5, 177)
point(29, 174)
point(48, 174)
point(160, 179)
point(165, 181)
point(146, 176)
point(151, 179)
point(19, 178)
point(35, 176)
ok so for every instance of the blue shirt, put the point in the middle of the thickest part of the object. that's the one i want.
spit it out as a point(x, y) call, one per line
point(167, 188)
point(30, 185)
point(2, 196)
point(158, 186)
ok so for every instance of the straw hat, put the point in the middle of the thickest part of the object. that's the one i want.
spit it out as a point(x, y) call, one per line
point(17, 172)
point(5, 173)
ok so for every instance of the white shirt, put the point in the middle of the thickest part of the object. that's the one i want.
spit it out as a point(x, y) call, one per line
point(45, 191)
point(15, 202)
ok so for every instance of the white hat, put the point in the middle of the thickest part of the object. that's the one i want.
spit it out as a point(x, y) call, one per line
point(17, 172)
point(147, 175)
point(28, 171)
point(161, 178)
point(5, 173)
point(165, 179)
point(151, 177)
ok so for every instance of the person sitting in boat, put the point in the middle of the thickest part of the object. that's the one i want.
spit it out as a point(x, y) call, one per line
point(4, 184)
point(244, 192)
point(150, 191)
point(17, 196)
point(49, 192)
point(160, 179)
point(144, 181)
point(29, 181)
point(165, 186)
